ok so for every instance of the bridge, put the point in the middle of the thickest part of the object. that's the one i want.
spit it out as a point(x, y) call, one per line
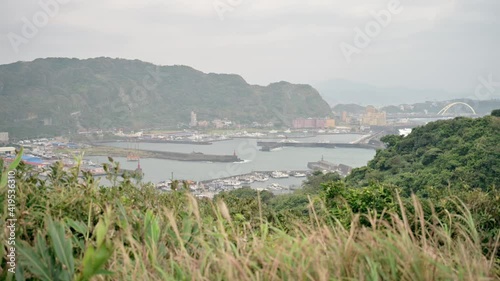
point(443, 111)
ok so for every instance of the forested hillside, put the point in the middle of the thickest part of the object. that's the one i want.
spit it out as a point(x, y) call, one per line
point(58, 95)
point(462, 152)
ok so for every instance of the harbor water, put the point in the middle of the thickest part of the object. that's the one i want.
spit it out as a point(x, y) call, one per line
point(281, 159)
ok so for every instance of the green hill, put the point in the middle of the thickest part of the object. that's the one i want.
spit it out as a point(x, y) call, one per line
point(50, 96)
point(462, 153)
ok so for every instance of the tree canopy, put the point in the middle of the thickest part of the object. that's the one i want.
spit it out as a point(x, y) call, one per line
point(462, 152)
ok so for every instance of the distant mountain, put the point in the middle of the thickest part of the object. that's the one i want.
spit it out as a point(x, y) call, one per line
point(481, 107)
point(50, 96)
point(350, 108)
point(339, 91)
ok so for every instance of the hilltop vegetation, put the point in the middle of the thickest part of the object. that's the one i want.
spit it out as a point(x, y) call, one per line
point(57, 95)
point(332, 229)
point(462, 153)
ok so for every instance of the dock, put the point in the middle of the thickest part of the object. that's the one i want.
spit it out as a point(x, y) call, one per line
point(194, 157)
point(175, 141)
point(102, 150)
point(267, 173)
point(268, 145)
point(323, 165)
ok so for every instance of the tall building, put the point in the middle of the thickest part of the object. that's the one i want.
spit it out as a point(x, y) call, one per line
point(194, 121)
point(345, 117)
point(4, 137)
point(330, 123)
point(373, 117)
point(313, 123)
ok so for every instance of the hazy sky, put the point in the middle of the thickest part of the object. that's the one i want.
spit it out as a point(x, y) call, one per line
point(445, 44)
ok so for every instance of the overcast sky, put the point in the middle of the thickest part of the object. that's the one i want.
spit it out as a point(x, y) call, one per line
point(442, 44)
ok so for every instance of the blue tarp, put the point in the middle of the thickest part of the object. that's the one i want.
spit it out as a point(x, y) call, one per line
point(32, 159)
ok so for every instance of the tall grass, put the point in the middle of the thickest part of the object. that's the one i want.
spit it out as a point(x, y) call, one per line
point(129, 233)
point(189, 249)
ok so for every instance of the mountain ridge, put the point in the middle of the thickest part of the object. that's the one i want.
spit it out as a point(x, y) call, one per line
point(66, 93)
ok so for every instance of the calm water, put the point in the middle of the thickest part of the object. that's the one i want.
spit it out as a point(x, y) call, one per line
point(288, 158)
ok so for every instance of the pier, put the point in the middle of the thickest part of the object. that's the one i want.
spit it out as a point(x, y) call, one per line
point(194, 157)
point(268, 146)
point(266, 173)
point(101, 150)
point(175, 141)
point(365, 142)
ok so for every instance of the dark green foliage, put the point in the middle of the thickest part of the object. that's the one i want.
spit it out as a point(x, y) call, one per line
point(462, 153)
point(496, 113)
point(246, 204)
point(344, 201)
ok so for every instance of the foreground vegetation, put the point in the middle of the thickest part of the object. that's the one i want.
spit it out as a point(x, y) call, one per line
point(70, 228)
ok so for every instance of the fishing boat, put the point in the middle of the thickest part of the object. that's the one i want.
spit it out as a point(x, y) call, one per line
point(247, 180)
point(276, 186)
point(299, 175)
point(232, 183)
point(279, 175)
point(261, 178)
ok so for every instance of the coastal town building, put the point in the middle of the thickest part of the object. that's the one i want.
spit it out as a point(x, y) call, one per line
point(4, 137)
point(345, 118)
point(203, 124)
point(219, 124)
point(373, 117)
point(7, 150)
point(194, 120)
point(313, 123)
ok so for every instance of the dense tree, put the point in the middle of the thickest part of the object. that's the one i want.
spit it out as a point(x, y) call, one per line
point(496, 113)
point(462, 152)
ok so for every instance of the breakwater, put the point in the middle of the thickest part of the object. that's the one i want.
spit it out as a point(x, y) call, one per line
point(195, 156)
point(254, 173)
point(101, 150)
point(268, 146)
point(175, 141)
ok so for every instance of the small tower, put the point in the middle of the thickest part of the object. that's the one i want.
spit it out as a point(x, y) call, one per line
point(138, 171)
point(194, 119)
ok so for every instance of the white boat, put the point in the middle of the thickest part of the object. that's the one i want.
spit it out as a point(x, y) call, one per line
point(247, 180)
point(232, 183)
point(275, 186)
point(261, 178)
point(279, 175)
point(164, 183)
point(299, 175)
